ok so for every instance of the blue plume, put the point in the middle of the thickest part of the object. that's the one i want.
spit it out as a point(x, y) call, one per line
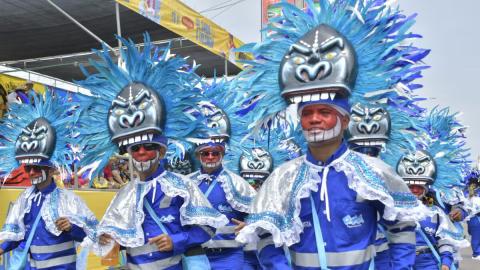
point(168, 75)
point(61, 116)
point(377, 32)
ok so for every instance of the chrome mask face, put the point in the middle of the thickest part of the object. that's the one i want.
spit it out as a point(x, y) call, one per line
point(256, 165)
point(135, 112)
point(417, 168)
point(368, 126)
point(217, 121)
point(182, 166)
point(318, 66)
point(36, 142)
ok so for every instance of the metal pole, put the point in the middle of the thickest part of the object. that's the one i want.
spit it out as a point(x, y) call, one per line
point(226, 66)
point(80, 25)
point(119, 31)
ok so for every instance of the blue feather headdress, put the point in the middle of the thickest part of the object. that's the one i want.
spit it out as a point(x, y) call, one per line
point(60, 115)
point(378, 34)
point(155, 68)
point(441, 135)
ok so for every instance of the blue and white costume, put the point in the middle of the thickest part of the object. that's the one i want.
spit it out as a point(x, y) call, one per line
point(227, 192)
point(472, 194)
point(326, 212)
point(50, 247)
point(442, 235)
point(178, 204)
point(142, 104)
point(37, 135)
point(347, 219)
point(232, 196)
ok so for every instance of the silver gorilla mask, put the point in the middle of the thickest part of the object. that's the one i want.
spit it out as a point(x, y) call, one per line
point(368, 126)
point(217, 121)
point(136, 112)
point(417, 168)
point(256, 165)
point(318, 66)
point(182, 166)
point(36, 142)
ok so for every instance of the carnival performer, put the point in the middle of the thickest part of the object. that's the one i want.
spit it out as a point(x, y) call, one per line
point(436, 162)
point(316, 59)
point(473, 220)
point(256, 163)
point(45, 220)
point(159, 216)
point(227, 192)
point(437, 237)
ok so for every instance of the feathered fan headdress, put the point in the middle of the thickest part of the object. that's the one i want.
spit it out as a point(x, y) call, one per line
point(38, 134)
point(143, 101)
point(381, 59)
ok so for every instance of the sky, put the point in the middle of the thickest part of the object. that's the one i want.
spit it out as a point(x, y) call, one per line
point(449, 28)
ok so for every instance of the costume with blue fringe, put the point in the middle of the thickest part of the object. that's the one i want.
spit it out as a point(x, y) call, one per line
point(437, 162)
point(325, 48)
point(144, 102)
point(49, 246)
point(226, 190)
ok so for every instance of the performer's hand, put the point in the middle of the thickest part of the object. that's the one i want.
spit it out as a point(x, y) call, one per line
point(105, 239)
point(163, 242)
point(444, 267)
point(63, 224)
point(240, 225)
point(456, 215)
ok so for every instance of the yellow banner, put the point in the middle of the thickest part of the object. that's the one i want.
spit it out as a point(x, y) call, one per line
point(184, 21)
point(10, 84)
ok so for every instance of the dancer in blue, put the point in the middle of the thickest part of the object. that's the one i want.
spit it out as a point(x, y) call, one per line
point(436, 161)
point(323, 206)
point(45, 221)
point(473, 197)
point(227, 192)
point(160, 217)
point(256, 163)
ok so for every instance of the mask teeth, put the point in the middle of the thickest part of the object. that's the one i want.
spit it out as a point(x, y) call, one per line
point(324, 96)
point(306, 98)
point(315, 97)
point(144, 137)
point(138, 138)
point(332, 96)
point(150, 136)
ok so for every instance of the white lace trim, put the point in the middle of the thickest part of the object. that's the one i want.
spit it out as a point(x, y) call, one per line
point(444, 228)
point(291, 235)
point(222, 178)
point(173, 191)
point(367, 192)
point(18, 236)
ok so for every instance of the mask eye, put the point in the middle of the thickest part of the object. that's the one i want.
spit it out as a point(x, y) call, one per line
point(356, 118)
point(24, 138)
point(298, 60)
point(40, 136)
point(377, 117)
point(330, 55)
point(119, 111)
point(143, 105)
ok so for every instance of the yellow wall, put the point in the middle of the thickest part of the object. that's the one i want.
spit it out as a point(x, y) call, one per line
point(97, 201)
